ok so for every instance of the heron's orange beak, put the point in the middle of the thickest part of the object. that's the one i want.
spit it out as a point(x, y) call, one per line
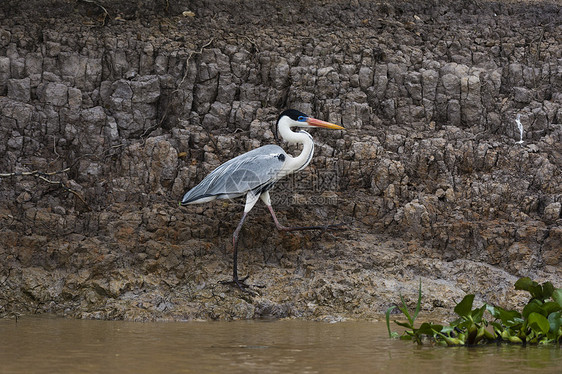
point(327, 125)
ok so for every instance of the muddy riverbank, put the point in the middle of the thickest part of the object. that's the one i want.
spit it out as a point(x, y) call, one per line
point(109, 112)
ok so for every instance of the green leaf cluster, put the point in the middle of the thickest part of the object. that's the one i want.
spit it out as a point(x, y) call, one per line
point(540, 321)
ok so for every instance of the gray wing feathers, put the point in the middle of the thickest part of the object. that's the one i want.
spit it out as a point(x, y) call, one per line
point(253, 170)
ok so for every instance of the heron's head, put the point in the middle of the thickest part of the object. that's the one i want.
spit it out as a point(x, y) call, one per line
point(294, 118)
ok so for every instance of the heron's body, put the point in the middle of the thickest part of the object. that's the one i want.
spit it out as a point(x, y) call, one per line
point(254, 173)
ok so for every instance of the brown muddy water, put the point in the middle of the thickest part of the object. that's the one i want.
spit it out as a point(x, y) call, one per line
point(53, 345)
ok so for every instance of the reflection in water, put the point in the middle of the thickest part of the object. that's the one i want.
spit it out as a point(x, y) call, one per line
point(77, 346)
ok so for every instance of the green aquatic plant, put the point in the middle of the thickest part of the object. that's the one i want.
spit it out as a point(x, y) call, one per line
point(540, 321)
point(404, 309)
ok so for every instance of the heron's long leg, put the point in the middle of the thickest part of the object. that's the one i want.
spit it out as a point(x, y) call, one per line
point(235, 248)
point(266, 199)
point(297, 228)
point(251, 200)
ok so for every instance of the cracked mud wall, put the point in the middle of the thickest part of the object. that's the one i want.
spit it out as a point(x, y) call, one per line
point(109, 114)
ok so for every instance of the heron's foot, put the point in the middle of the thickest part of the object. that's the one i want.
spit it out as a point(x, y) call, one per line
point(241, 284)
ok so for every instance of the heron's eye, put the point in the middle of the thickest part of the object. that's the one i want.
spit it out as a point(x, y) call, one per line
point(302, 119)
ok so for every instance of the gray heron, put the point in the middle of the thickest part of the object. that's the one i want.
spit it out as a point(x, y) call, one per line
point(254, 173)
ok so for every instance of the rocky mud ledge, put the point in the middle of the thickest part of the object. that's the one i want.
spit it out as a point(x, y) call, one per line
point(111, 110)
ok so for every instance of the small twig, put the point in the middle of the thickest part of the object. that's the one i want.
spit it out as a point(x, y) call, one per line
point(33, 173)
point(187, 63)
point(66, 188)
point(55, 149)
point(253, 43)
point(43, 176)
point(105, 12)
point(200, 51)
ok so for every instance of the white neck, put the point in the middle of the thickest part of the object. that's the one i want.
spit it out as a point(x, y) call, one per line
point(302, 137)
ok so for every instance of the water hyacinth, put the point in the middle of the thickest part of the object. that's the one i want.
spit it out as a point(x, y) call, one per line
point(540, 321)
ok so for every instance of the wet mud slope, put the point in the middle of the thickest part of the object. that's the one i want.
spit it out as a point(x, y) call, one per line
point(449, 170)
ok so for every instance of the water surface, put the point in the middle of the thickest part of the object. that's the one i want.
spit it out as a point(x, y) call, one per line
point(53, 345)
